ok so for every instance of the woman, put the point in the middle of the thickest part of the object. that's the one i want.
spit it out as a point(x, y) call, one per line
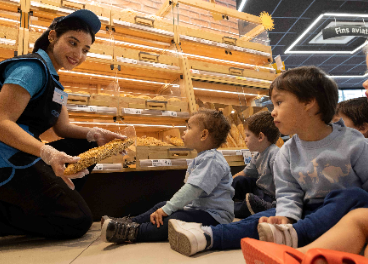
point(36, 197)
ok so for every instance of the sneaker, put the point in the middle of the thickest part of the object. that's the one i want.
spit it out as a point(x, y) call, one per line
point(187, 238)
point(279, 234)
point(125, 219)
point(256, 204)
point(118, 232)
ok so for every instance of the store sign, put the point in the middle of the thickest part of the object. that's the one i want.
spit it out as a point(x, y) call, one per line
point(333, 32)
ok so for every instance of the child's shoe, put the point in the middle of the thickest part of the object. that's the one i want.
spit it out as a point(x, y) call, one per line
point(125, 219)
point(187, 238)
point(279, 234)
point(255, 204)
point(118, 232)
point(256, 252)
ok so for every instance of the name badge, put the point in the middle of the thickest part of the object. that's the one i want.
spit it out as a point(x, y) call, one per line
point(60, 96)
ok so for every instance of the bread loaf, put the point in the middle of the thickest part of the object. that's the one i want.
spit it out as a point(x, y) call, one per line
point(97, 154)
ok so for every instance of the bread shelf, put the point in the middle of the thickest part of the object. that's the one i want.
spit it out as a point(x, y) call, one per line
point(138, 57)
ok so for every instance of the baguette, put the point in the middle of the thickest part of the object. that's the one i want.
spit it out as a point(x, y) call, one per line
point(97, 154)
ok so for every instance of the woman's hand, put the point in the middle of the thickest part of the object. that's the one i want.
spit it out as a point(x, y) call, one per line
point(156, 217)
point(278, 220)
point(102, 136)
point(57, 159)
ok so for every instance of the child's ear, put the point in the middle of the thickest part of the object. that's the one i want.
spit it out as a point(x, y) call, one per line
point(364, 129)
point(205, 134)
point(261, 137)
point(311, 104)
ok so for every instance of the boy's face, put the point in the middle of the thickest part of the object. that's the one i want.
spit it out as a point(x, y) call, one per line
point(288, 112)
point(251, 140)
point(192, 135)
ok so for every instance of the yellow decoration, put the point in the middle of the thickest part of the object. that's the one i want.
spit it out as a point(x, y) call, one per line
point(267, 21)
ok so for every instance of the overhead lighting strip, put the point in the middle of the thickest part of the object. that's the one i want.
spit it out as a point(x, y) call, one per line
point(289, 51)
point(116, 124)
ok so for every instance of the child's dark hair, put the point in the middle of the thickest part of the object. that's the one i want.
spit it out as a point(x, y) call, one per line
point(356, 109)
point(62, 26)
point(216, 123)
point(263, 122)
point(308, 83)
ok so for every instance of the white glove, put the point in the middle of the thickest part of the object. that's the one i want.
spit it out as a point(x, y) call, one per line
point(102, 136)
point(57, 159)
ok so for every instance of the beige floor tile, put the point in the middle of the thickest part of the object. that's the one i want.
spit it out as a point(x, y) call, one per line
point(26, 250)
point(91, 250)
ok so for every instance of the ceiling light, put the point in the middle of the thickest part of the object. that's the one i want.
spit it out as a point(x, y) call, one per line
point(242, 4)
point(289, 51)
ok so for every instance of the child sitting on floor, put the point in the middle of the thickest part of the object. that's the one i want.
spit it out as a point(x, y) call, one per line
point(320, 173)
point(354, 112)
point(206, 196)
point(254, 186)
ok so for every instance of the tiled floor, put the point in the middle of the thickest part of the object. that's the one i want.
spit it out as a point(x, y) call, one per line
point(91, 250)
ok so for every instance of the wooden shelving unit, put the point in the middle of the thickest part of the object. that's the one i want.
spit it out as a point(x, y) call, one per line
point(148, 70)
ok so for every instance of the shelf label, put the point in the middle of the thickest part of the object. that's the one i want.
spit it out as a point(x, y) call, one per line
point(92, 109)
point(161, 162)
point(206, 41)
point(195, 71)
point(169, 113)
point(99, 167)
point(222, 45)
point(247, 155)
point(133, 111)
point(238, 153)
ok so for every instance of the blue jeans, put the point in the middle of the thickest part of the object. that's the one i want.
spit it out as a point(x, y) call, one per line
point(336, 204)
point(316, 221)
point(149, 232)
point(243, 185)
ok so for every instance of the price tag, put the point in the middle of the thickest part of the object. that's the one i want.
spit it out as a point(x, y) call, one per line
point(161, 162)
point(247, 155)
point(238, 153)
point(133, 111)
point(222, 45)
point(92, 109)
point(195, 71)
point(189, 161)
point(169, 113)
point(99, 167)
point(206, 41)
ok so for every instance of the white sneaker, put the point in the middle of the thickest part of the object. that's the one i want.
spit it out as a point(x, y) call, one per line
point(279, 234)
point(186, 238)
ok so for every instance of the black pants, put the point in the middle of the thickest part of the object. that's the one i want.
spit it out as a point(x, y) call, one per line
point(242, 186)
point(149, 232)
point(37, 202)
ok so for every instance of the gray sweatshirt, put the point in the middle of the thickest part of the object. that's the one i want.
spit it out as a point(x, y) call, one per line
point(306, 171)
point(261, 167)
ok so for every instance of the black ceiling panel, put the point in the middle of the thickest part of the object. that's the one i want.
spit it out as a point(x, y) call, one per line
point(293, 17)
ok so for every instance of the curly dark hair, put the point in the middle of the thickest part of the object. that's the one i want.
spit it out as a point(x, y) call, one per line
point(263, 122)
point(308, 83)
point(356, 109)
point(216, 123)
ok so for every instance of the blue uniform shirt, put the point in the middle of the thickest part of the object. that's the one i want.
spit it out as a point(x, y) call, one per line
point(211, 172)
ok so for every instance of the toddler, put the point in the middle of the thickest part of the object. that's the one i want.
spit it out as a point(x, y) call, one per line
point(206, 196)
point(255, 183)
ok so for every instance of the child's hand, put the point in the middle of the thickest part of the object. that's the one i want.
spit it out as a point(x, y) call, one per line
point(156, 217)
point(278, 220)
